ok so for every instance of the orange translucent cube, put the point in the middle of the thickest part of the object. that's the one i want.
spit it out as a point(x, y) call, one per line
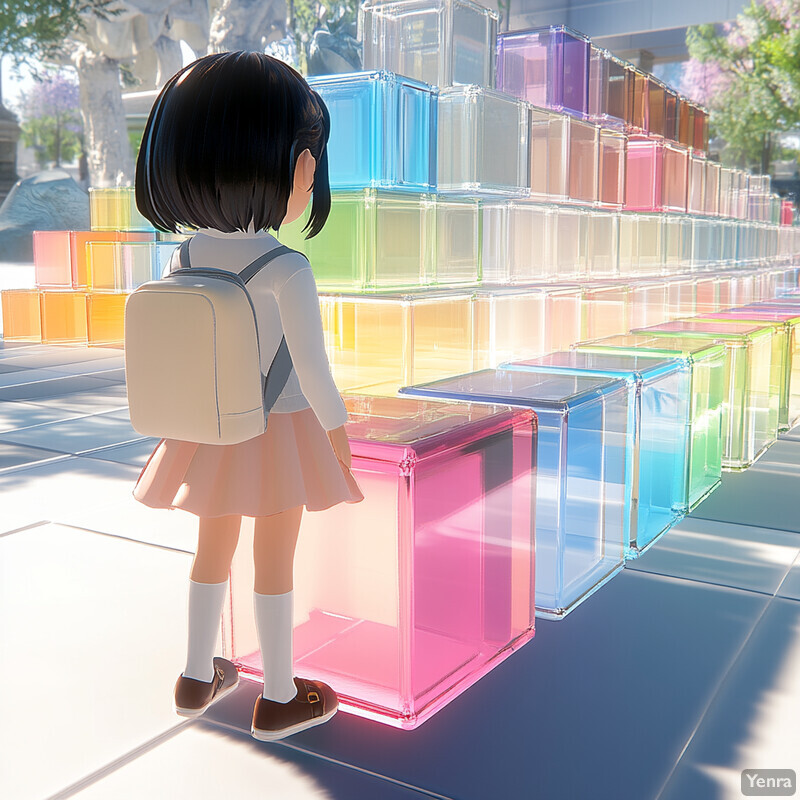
point(81, 275)
point(105, 319)
point(63, 317)
point(21, 315)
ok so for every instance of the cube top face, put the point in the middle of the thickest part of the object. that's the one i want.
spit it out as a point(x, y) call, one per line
point(711, 329)
point(489, 292)
point(546, 66)
point(655, 346)
point(409, 421)
point(611, 365)
point(414, 297)
point(773, 314)
point(520, 388)
point(439, 42)
point(320, 83)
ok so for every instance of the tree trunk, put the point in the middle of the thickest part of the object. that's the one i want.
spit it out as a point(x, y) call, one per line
point(57, 143)
point(108, 149)
point(766, 153)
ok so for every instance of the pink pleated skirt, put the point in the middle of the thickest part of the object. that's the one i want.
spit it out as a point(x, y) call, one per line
point(291, 464)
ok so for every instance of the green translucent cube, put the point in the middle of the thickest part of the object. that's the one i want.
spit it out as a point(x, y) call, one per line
point(380, 240)
point(789, 324)
point(752, 384)
point(707, 363)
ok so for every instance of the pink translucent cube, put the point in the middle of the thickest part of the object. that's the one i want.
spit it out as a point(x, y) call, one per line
point(51, 259)
point(656, 175)
point(404, 600)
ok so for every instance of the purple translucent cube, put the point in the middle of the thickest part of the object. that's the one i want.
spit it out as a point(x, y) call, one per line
point(548, 67)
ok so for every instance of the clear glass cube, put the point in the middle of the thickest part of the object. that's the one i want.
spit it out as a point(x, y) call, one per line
point(516, 242)
point(612, 163)
point(514, 323)
point(483, 142)
point(439, 42)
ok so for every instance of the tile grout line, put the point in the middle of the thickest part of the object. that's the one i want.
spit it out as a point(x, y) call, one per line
point(123, 760)
point(702, 582)
point(29, 527)
point(713, 697)
point(124, 538)
point(737, 524)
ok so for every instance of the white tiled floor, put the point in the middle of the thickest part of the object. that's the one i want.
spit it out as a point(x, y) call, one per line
point(681, 672)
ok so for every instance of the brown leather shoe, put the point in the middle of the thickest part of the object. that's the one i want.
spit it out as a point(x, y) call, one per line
point(315, 703)
point(193, 697)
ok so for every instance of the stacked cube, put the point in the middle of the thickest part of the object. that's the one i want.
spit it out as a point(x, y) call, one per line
point(84, 277)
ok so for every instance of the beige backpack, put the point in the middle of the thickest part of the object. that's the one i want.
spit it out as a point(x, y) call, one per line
point(192, 359)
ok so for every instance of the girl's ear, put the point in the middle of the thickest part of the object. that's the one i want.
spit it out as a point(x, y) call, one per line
point(304, 172)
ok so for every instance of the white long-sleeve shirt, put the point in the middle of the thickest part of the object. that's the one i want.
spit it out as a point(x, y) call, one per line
point(284, 295)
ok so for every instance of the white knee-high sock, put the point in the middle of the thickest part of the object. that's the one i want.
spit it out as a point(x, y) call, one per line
point(205, 609)
point(274, 618)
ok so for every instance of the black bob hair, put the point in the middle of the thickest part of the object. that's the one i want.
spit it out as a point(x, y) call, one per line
point(221, 144)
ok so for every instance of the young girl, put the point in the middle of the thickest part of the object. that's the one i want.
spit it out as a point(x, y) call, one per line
point(235, 146)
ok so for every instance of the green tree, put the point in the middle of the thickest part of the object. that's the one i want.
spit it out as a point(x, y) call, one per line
point(748, 74)
point(34, 29)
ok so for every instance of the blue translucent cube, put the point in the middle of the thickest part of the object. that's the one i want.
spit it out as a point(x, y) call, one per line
point(580, 479)
point(383, 131)
point(657, 455)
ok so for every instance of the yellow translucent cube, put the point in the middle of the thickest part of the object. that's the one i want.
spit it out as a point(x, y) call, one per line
point(21, 315)
point(382, 342)
point(115, 209)
point(63, 317)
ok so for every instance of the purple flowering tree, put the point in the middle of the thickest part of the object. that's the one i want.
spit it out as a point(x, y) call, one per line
point(748, 74)
point(51, 119)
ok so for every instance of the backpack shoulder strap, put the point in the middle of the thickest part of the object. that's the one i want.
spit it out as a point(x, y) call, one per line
point(183, 254)
point(251, 269)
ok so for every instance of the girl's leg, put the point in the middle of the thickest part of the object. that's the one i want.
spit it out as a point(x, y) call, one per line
point(273, 556)
point(209, 581)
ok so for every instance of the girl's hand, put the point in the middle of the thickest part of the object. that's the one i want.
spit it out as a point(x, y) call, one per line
point(340, 445)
